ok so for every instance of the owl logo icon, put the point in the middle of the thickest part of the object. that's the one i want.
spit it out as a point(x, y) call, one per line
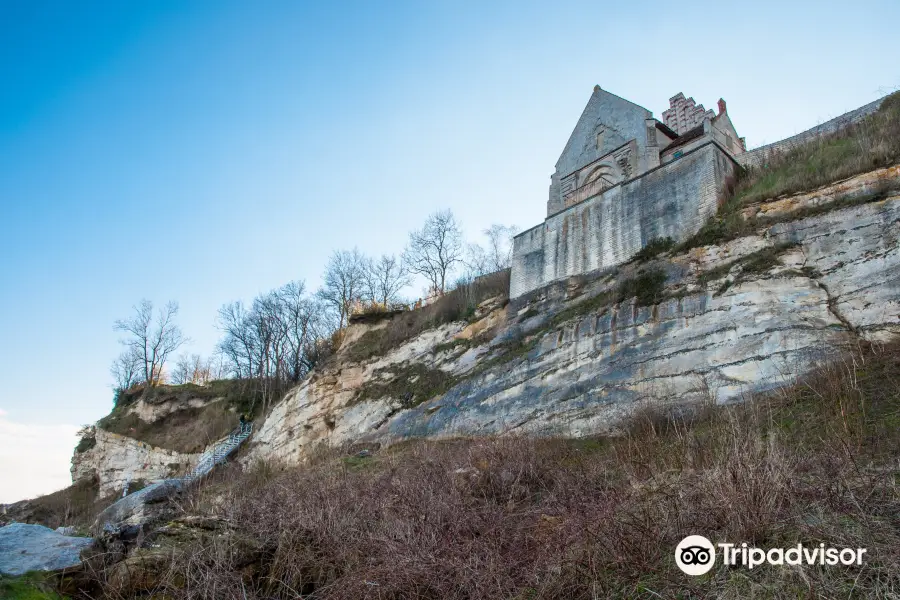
point(695, 555)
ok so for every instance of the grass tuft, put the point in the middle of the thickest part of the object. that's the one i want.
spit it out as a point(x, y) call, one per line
point(647, 288)
point(654, 248)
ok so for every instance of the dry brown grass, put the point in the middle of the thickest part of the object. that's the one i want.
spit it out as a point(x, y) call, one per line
point(522, 518)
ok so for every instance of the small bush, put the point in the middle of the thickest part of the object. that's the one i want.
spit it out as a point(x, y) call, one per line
point(654, 248)
point(85, 443)
point(647, 288)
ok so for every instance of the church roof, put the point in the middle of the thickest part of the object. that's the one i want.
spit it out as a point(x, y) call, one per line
point(687, 136)
point(666, 130)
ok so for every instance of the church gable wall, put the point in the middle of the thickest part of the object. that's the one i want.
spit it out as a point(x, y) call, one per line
point(674, 200)
point(607, 123)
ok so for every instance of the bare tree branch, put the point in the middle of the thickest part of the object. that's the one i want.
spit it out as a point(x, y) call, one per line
point(343, 282)
point(434, 250)
point(384, 278)
point(151, 340)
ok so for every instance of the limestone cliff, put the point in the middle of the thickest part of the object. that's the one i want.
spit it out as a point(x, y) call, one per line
point(816, 270)
point(117, 459)
point(154, 435)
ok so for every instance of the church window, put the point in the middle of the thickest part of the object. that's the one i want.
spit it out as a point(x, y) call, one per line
point(600, 135)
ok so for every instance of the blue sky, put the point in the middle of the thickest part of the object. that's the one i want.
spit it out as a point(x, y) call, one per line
point(208, 151)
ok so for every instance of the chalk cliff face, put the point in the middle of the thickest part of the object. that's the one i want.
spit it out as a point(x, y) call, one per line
point(574, 358)
point(116, 459)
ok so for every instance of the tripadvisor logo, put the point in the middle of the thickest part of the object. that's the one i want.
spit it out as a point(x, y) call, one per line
point(696, 555)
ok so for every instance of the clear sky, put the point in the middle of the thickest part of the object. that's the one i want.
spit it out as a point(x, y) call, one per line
point(208, 151)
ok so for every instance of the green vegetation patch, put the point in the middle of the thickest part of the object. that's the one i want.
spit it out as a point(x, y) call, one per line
point(454, 344)
point(412, 384)
point(756, 263)
point(599, 303)
point(728, 224)
point(358, 463)
point(85, 443)
point(654, 248)
point(648, 287)
point(31, 586)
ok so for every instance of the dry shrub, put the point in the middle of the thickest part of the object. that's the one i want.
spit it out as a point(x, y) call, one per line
point(584, 519)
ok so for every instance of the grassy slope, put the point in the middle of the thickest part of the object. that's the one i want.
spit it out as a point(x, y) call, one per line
point(873, 143)
point(870, 144)
point(189, 430)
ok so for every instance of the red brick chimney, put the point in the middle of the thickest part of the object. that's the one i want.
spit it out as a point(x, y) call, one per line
point(721, 106)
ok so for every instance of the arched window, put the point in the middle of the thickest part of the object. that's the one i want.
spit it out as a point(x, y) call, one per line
point(603, 172)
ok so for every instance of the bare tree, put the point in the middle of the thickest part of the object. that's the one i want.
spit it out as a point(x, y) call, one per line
point(496, 257)
point(182, 372)
point(151, 339)
point(239, 344)
point(476, 262)
point(500, 246)
point(218, 366)
point(191, 369)
point(385, 278)
point(433, 250)
point(301, 327)
point(344, 282)
point(127, 369)
point(275, 342)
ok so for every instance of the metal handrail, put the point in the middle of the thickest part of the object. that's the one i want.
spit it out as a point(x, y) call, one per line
point(218, 453)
